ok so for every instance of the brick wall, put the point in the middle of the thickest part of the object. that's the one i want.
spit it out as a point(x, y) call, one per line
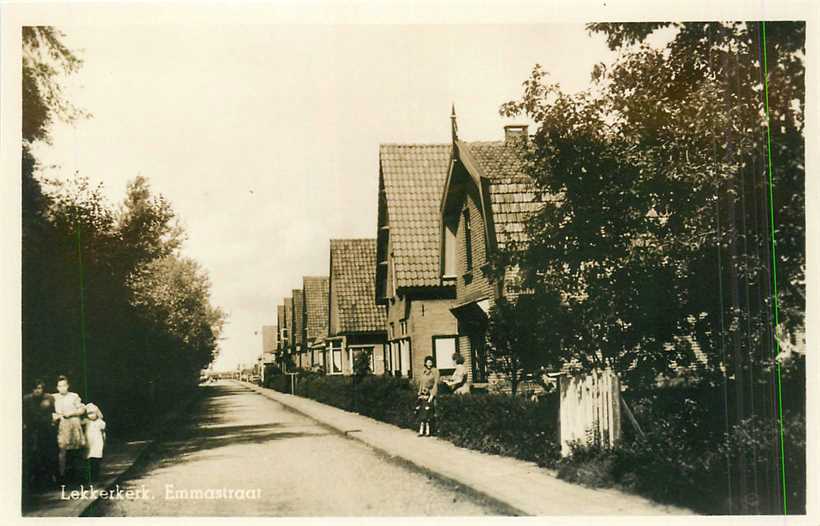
point(425, 318)
point(477, 284)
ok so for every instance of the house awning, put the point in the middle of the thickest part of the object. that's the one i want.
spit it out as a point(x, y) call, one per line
point(475, 311)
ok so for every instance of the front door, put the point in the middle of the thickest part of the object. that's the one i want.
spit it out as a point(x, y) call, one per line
point(478, 355)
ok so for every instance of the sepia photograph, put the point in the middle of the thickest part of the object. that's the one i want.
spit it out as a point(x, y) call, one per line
point(334, 267)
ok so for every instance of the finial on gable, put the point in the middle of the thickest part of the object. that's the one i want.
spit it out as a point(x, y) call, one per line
point(453, 123)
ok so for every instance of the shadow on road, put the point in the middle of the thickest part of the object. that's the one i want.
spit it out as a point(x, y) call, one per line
point(211, 425)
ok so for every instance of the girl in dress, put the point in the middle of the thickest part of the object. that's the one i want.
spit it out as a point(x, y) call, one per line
point(94, 438)
point(68, 409)
point(426, 399)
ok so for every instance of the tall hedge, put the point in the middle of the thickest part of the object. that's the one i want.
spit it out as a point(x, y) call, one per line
point(494, 424)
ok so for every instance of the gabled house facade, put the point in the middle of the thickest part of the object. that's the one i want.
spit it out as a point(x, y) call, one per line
point(315, 312)
point(486, 201)
point(285, 327)
point(355, 322)
point(280, 320)
point(269, 335)
point(408, 280)
point(296, 325)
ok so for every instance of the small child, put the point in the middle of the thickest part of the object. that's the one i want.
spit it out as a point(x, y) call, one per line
point(94, 438)
point(424, 413)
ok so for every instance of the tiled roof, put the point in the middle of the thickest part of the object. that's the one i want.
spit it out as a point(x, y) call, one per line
point(353, 280)
point(297, 317)
point(414, 176)
point(316, 306)
point(268, 338)
point(280, 315)
point(512, 194)
point(288, 315)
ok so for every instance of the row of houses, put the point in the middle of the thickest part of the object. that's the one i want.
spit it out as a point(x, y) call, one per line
point(424, 285)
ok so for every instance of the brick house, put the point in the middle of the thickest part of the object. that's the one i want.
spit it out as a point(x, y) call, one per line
point(486, 200)
point(314, 312)
point(408, 281)
point(296, 325)
point(269, 339)
point(355, 322)
point(280, 326)
point(285, 327)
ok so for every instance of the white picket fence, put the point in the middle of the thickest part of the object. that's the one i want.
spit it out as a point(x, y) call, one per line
point(590, 410)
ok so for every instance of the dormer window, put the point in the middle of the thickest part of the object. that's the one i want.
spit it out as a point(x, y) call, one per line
point(449, 250)
point(468, 240)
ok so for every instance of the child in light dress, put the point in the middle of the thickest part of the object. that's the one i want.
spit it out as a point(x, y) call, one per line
point(94, 438)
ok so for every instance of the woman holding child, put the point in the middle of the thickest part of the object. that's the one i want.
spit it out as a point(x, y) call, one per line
point(68, 409)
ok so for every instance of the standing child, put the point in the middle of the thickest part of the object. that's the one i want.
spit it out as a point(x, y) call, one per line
point(426, 399)
point(94, 438)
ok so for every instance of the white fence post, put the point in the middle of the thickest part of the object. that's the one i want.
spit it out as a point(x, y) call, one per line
point(590, 410)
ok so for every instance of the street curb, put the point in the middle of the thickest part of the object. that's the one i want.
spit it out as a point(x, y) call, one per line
point(516, 503)
point(506, 508)
point(147, 447)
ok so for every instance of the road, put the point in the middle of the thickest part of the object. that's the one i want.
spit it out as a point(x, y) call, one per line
point(238, 453)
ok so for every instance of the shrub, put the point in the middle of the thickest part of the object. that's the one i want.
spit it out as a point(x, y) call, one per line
point(502, 425)
point(331, 390)
point(686, 458)
point(494, 424)
point(361, 364)
point(278, 382)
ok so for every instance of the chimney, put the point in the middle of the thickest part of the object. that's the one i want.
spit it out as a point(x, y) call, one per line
point(515, 132)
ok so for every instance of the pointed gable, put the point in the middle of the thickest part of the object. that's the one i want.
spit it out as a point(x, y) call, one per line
point(412, 178)
point(316, 306)
point(297, 317)
point(352, 287)
point(512, 195)
point(288, 321)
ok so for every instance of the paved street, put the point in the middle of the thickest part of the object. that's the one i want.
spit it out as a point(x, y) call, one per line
point(239, 453)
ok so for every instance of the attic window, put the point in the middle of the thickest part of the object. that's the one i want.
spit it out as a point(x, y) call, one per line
point(449, 251)
point(468, 239)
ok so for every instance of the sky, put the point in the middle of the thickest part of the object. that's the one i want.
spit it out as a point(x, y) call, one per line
point(265, 138)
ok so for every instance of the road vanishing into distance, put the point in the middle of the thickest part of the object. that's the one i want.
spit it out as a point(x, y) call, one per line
point(238, 453)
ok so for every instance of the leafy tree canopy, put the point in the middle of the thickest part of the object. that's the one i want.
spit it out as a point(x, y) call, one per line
point(657, 235)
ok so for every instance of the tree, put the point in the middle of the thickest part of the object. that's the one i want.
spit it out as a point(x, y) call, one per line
point(361, 364)
point(658, 234)
point(677, 214)
point(518, 335)
point(107, 297)
point(45, 60)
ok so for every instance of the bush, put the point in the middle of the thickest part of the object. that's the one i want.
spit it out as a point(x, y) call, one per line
point(502, 425)
point(278, 382)
point(687, 459)
point(494, 424)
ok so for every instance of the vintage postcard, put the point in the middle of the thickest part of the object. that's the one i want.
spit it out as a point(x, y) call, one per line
point(383, 262)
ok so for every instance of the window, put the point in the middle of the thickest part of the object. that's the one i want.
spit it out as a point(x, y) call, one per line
point(335, 358)
point(395, 364)
point(444, 347)
point(468, 239)
point(403, 327)
point(449, 251)
point(405, 358)
point(388, 369)
point(479, 358)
